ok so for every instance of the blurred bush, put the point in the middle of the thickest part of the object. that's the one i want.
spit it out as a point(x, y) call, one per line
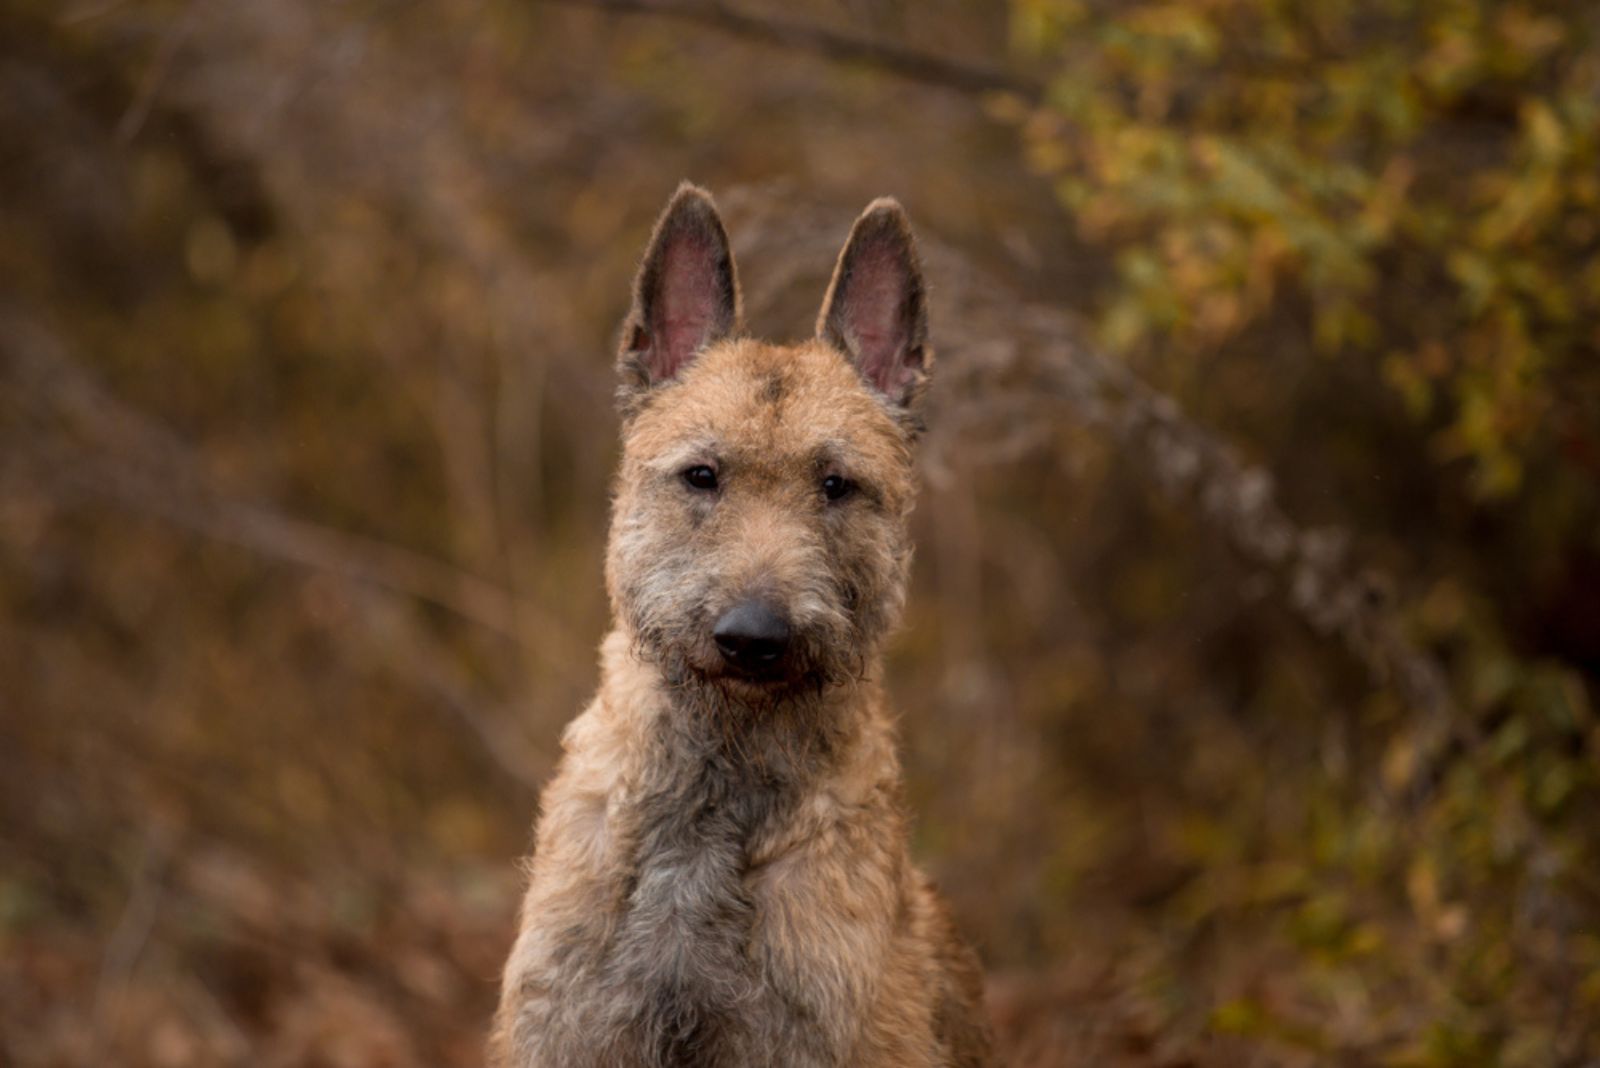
point(1249, 676)
point(1415, 184)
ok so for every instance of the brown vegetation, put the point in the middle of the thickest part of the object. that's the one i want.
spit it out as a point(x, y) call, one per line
point(1252, 640)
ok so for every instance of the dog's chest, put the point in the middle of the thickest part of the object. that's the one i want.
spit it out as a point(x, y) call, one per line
point(686, 943)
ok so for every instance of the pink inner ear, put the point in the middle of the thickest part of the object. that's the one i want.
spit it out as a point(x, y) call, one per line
point(686, 308)
point(877, 320)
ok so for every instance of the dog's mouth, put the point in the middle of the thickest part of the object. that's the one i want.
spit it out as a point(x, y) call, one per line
point(762, 696)
point(765, 673)
point(762, 680)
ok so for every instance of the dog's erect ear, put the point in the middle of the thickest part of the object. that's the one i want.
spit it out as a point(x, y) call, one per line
point(875, 310)
point(686, 294)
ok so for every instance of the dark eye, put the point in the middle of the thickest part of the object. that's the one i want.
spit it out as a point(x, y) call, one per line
point(836, 487)
point(701, 477)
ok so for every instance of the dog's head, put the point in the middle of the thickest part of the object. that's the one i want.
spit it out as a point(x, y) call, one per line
point(758, 536)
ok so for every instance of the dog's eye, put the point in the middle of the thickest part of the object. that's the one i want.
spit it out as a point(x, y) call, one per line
point(701, 477)
point(837, 487)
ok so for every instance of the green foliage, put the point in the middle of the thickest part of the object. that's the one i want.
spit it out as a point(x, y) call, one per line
point(1412, 184)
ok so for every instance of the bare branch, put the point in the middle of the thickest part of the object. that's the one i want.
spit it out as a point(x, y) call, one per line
point(177, 35)
point(128, 938)
point(906, 63)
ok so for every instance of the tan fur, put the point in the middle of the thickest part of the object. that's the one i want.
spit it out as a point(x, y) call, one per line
point(721, 874)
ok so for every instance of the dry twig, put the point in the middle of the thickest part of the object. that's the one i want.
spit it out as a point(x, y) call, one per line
point(923, 68)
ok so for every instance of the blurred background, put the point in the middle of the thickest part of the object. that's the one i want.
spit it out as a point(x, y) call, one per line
point(1249, 676)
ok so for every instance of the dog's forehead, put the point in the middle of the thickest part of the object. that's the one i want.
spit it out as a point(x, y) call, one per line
point(775, 401)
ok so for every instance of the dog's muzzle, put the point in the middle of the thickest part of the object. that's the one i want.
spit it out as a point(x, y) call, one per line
point(754, 638)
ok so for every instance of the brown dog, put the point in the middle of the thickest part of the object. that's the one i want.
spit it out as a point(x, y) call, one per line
point(721, 874)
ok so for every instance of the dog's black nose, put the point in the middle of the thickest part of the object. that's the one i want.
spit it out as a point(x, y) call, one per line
point(752, 636)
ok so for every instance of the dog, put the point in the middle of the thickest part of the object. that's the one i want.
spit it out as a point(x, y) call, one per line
point(721, 874)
